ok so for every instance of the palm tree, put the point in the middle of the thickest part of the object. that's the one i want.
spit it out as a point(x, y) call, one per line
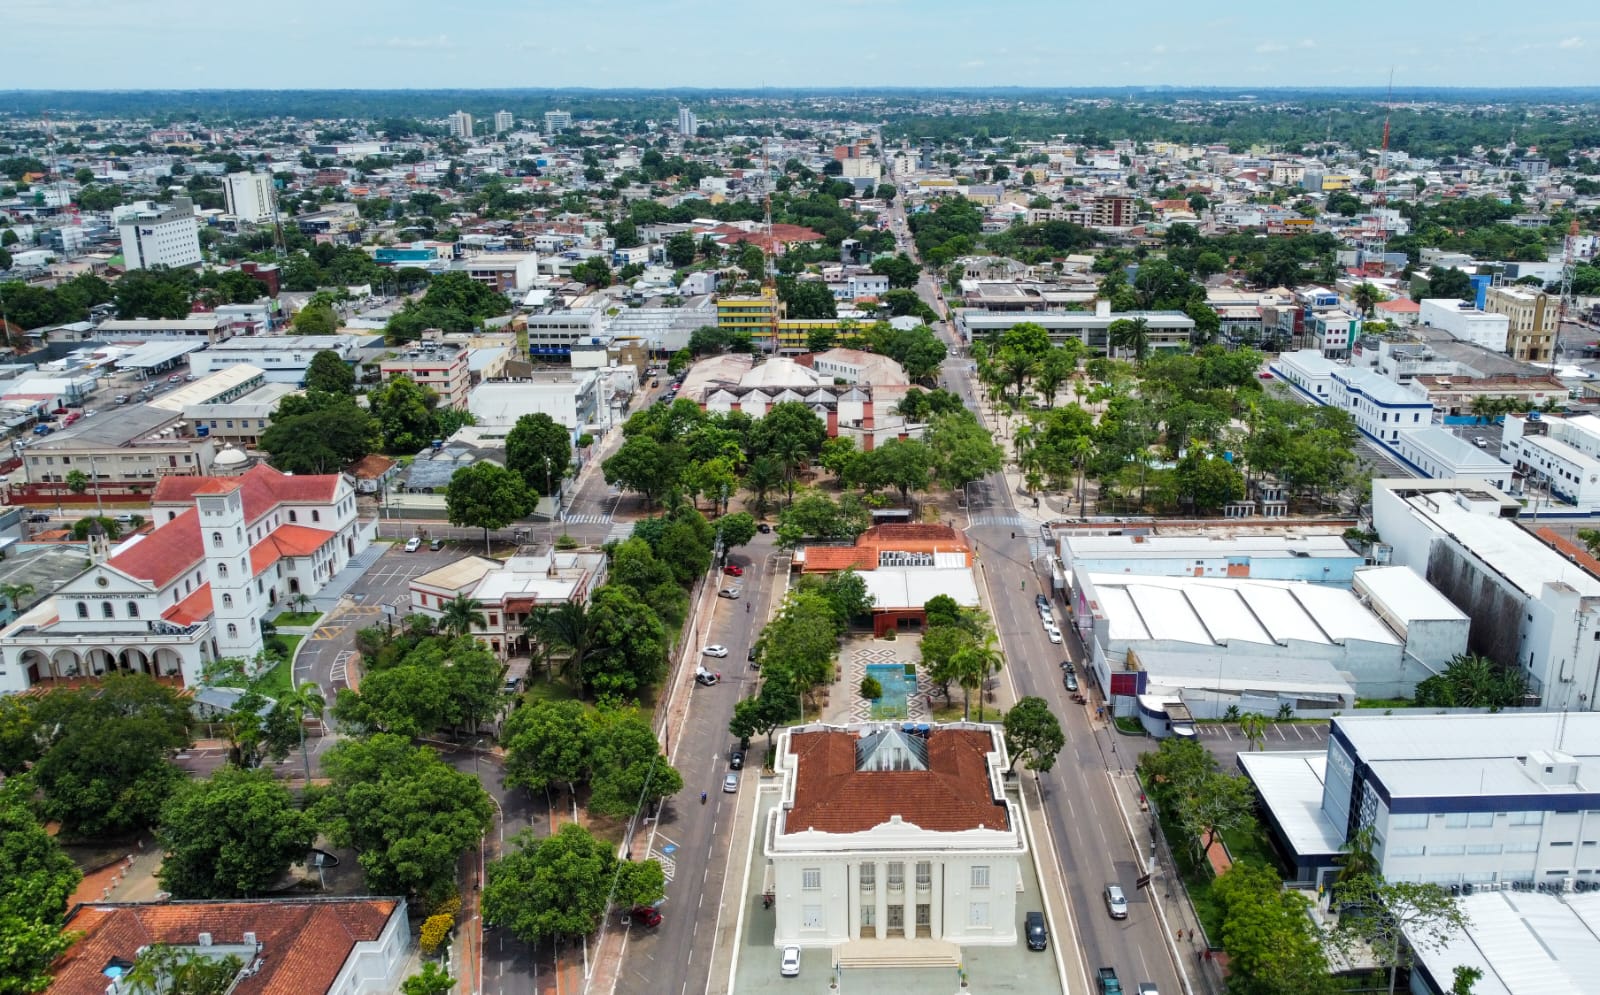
point(461, 615)
point(1253, 726)
point(567, 626)
point(1483, 408)
point(15, 593)
point(299, 600)
point(303, 702)
point(77, 481)
point(763, 476)
point(1132, 334)
point(1366, 297)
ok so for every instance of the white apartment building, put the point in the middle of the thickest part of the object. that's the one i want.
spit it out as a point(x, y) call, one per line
point(1466, 323)
point(573, 399)
point(554, 333)
point(1482, 800)
point(224, 551)
point(250, 197)
point(441, 367)
point(855, 366)
point(1531, 606)
point(1381, 408)
point(1561, 455)
point(1308, 372)
point(688, 124)
point(504, 121)
point(555, 121)
point(461, 125)
point(168, 237)
point(894, 832)
point(1442, 455)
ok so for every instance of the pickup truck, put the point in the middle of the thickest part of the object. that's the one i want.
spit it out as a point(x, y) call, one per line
point(1109, 985)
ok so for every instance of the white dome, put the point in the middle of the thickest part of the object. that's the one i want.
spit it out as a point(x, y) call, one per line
point(230, 459)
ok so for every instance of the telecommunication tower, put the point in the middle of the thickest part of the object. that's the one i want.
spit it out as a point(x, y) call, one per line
point(1569, 270)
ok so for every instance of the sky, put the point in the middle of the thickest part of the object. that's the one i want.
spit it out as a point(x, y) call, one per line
point(426, 44)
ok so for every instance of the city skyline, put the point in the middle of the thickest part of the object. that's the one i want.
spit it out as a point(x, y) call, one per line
point(874, 43)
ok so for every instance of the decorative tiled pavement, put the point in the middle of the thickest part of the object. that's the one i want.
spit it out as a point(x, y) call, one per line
point(901, 652)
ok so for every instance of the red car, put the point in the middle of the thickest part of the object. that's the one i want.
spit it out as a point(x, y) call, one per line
point(733, 570)
point(646, 916)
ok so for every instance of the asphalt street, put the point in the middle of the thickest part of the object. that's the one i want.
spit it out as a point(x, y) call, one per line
point(692, 839)
point(1091, 842)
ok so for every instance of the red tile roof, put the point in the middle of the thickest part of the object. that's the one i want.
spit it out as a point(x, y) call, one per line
point(164, 553)
point(295, 540)
point(830, 558)
point(261, 486)
point(304, 944)
point(952, 795)
point(195, 608)
point(912, 532)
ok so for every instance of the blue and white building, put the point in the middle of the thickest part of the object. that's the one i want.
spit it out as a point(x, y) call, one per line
point(1381, 408)
point(1485, 800)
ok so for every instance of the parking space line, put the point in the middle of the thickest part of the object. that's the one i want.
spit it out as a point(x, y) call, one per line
point(1226, 733)
point(1297, 733)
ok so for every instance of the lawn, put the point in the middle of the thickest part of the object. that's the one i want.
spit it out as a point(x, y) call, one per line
point(297, 618)
point(538, 689)
point(276, 679)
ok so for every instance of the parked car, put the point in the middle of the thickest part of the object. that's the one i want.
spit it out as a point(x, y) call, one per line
point(1042, 601)
point(1054, 635)
point(120, 399)
point(647, 916)
point(763, 528)
point(736, 758)
point(39, 516)
point(175, 378)
point(730, 784)
point(436, 544)
point(731, 593)
point(752, 657)
point(706, 678)
point(1038, 935)
point(716, 650)
point(789, 967)
point(1069, 680)
point(733, 570)
point(1116, 901)
point(1067, 666)
point(413, 544)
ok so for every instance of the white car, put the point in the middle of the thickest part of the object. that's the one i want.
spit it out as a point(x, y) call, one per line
point(790, 967)
point(1054, 635)
point(716, 651)
point(413, 544)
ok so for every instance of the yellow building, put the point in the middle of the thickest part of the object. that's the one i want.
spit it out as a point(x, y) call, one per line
point(1532, 314)
point(1333, 182)
point(749, 314)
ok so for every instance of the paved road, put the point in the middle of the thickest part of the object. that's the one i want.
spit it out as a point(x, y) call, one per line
point(1084, 824)
point(692, 839)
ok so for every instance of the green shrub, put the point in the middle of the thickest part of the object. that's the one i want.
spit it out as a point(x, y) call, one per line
point(871, 689)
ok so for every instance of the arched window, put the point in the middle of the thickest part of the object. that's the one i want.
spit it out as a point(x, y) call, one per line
point(292, 516)
point(108, 610)
point(133, 609)
point(233, 631)
point(216, 540)
point(239, 534)
point(227, 601)
point(222, 570)
point(83, 610)
point(316, 516)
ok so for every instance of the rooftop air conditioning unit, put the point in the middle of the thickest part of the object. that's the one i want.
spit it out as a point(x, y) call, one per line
point(205, 940)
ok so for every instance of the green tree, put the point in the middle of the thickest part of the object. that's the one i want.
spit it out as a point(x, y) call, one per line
point(550, 742)
point(485, 496)
point(154, 293)
point(431, 980)
point(21, 738)
point(647, 467)
point(316, 319)
point(36, 880)
point(408, 815)
point(904, 464)
point(568, 628)
point(1449, 283)
point(405, 414)
point(1131, 335)
point(558, 887)
point(107, 766)
point(736, 529)
point(1269, 936)
point(681, 249)
point(329, 374)
point(763, 476)
point(963, 450)
point(230, 836)
point(629, 643)
point(315, 440)
point(900, 269)
point(629, 769)
point(1472, 681)
point(791, 434)
point(171, 971)
point(1394, 919)
point(1033, 732)
point(77, 481)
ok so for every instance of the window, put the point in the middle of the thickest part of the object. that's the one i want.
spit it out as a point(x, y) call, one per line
point(924, 875)
point(83, 610)
point(980, 876)
point(1455, 820)
point(133, 609)
point(1405, 851)
point(1449, 850)
point(216, 540)
point(107, 610)
point(1561, 843)
point(869, 876)
point(1410, 821)
point(316, 516)
point(227, 601)
point(810, 917)
point(1480, 849)
point(494, 619)
point(897, 875)
point(869, 915)
point(1480, 820)
point(1527, 818)
point(292, 517)
point(1521, 848)
point(222, 570)
point(811, 879)
point(233, 631)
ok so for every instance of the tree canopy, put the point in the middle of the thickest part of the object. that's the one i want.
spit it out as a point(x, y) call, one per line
point(231, 835)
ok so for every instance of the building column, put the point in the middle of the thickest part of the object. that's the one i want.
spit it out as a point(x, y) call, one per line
point(936, 900)
point(852, 900)
point(881, 896)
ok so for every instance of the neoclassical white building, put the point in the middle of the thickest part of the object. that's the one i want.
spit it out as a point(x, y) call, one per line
point(892, 831)
point(224, 552)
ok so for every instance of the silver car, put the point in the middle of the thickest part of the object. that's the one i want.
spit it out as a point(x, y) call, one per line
point(1116, 901)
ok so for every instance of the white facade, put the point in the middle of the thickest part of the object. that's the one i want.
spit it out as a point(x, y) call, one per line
point(1308, 371)
point(504, 121)
point(1464, 322)
point(461, 125)
point(250, 197)
point(1558, 455)
point(170, 237)
point(1381, 408)
point(1441, 454)
point(688, 124)
point(878, 871)
point(1531, 607)
point(282, 358)
point(572, 401)
point(555, 121)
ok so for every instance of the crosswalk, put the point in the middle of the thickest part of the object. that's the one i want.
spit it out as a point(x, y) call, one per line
point(620, 532)
point(1009, 521)
point(604, 519)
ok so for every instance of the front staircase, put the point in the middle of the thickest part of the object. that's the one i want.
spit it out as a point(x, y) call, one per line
point(902, 954)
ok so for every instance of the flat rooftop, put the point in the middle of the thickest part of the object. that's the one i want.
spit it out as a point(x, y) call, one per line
point(1212, 611)
point(1519, 557)
point(1407, 595)
point(1220, 544)
point(1522, 941)
point(1291, 786)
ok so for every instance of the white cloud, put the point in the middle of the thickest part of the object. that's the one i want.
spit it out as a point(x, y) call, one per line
point(440, 41)
point(1159, 50)
point(972, 64)
point(1307, 43)
point(1572, 42)
point(1268, 47)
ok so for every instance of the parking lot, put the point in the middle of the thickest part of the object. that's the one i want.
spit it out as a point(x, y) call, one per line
point(1226, 741)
